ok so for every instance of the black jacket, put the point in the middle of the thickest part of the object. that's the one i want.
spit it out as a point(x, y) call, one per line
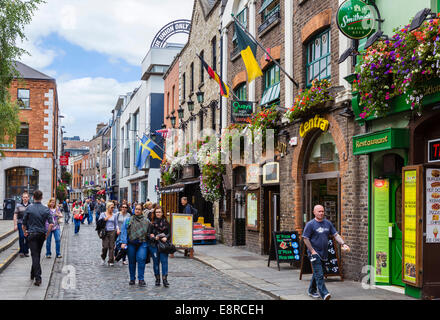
point(159, 226)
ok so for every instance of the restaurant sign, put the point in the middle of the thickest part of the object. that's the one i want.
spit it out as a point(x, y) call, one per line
point(241, 111)
point(356, 19)
point(381, 140)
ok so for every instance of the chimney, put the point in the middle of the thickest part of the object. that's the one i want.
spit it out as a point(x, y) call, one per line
point(99, 127)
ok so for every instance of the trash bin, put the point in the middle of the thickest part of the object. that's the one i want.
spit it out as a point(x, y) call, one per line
point(8, 209)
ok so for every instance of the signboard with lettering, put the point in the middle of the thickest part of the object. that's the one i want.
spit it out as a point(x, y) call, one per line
point(412, 224)
point(315, 123)
point(172, 28)
point(434, 150)
point(381, 207)
point(182, 230)
point(432, 205)
point(253, 172)
point(241, 111)
point(284, 247)
point(64, 161)
point(387, 139)
point(356, 19)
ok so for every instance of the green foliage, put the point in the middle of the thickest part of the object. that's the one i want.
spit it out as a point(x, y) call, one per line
point(61, 192)
point(66, 177)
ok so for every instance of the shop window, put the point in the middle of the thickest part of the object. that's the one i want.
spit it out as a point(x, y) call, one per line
point(324, 156)
point(21, 179)
point(318, 58)
point(271, 85)
point(23, 137)
point(241, 92)
point(252, 206)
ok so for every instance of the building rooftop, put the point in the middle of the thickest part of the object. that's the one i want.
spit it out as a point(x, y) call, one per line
point(27, 72)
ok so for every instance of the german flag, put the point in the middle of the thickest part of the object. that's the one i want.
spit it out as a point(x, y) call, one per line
point(248, 49)
point(224, 89)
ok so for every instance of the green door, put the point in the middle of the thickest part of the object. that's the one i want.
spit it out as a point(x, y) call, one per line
point(396, 231)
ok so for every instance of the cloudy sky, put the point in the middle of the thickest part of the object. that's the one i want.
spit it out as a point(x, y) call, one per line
point(94, 49)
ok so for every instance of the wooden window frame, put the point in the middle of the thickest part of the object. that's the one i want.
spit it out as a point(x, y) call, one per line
point(312, 61)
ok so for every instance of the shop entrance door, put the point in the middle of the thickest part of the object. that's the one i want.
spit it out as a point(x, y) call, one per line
point(323, 189)
point(271, 216)
point(240, 219)
point(396, 231)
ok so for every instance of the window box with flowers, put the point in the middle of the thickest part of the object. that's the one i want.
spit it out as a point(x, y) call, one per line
point(394, 74)
point(315, 100)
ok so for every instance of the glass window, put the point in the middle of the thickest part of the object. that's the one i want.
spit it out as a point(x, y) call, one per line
point(184, 86)
point(21, 179)
point(271, 9)
point(271, 76)
point(202, 70)
point(23, 137)
point(241, 92)
point(318, 58)
point(214, 53)
point(192, 77)
point(324, 156)
point(23, 98)
point(242, 18)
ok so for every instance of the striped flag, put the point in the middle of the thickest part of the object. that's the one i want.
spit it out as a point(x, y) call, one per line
point(224, 89)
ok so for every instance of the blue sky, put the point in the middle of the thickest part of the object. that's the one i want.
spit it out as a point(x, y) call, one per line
point(94, 50)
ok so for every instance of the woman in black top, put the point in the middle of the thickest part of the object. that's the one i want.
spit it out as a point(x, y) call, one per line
point(159, 231)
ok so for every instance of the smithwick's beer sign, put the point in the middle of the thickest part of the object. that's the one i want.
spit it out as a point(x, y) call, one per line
point(314, 123)
point(241, 111)
point(355, 19)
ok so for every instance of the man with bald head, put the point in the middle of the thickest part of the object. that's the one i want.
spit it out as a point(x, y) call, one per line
point(316, 235)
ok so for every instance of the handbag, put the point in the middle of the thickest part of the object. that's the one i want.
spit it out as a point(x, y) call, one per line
point(166, 247)
point(78, 216)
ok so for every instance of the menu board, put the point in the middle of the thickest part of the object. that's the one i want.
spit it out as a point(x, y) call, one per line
point(182, 230)
point(285, 247)
point(381, 198)
point(432, 205)
point(410, 227)
point(252, 210)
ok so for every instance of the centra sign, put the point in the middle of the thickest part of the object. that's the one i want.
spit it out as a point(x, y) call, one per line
point(314, 123)
point(356, 19)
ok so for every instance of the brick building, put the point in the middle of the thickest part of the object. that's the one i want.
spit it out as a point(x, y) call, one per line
point(31, 162)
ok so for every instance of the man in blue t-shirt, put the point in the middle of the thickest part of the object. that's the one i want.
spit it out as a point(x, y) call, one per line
point(315, 235)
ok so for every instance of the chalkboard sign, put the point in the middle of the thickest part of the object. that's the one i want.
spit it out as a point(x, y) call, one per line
point(331, 267)
point(284, 247)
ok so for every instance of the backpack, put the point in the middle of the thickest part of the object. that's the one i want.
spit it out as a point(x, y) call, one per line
point(194, 212)
point(100, 228)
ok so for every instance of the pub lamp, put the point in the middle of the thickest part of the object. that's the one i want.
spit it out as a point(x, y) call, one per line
point(421, 16)
point(173, 121)
point(190, 105)
point(180, 112)
point(200, 97)
point(349, 52)
point(376, 36)
point(163, 126)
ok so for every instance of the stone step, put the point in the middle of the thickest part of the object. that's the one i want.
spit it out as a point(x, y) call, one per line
point(8, 241)
point(8, 255)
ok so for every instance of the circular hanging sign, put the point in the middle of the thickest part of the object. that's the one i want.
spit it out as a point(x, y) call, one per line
point(356, 19)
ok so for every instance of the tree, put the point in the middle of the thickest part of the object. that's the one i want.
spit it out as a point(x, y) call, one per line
point(14, 15)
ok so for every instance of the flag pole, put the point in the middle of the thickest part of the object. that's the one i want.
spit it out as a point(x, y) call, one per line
point(264, 49)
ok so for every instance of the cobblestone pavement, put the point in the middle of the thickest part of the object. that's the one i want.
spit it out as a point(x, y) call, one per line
point(189, 279)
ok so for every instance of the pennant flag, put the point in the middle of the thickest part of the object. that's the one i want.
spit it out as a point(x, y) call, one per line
point(224, 89)
point(163, 132)
point(146, 149)
point(248, 49)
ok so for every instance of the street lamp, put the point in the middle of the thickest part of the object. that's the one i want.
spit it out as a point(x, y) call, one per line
point(190, 105)
point(180, 112)
point(200, 97)
point(173, 121)
point(420, 17)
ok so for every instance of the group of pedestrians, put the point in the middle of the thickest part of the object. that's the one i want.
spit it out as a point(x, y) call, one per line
point(136, 236)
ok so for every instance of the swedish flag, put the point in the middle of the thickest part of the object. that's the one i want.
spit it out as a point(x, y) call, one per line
point(146, 149)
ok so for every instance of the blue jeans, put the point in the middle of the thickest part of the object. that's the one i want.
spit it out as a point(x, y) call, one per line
point(66, 216)
point(161, 258)
point(22, 240)
point(57, 234)
point(97, 216)
point(90, 219)
point(77, 225)
point(317, 283)
point(137, 254)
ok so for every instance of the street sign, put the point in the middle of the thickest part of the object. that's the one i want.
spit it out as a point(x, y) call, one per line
point(64, 161)
point(356, 19)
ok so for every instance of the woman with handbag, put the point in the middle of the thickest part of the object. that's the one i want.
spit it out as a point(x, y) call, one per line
point(160, 244)
point(111, 231)
point(134, 237)
point(56, 214)
point(77, 216)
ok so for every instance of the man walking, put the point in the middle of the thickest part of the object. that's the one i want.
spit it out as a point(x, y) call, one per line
point(18, 222)
point(189, 209)
point(34, 227)
point(316, 234)
point(66, 210)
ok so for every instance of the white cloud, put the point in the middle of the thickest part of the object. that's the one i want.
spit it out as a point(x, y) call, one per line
point(86, 102)
point(120, 29)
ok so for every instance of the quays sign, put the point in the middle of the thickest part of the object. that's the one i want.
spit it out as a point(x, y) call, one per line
point(314, 123)
point(356, 19)
point(241, 111)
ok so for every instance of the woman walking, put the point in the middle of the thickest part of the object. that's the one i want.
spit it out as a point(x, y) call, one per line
point(56, 232)
point(123, 214)
point(78, 215)
point(159, 231)
point(134, 237)
point(112, 230)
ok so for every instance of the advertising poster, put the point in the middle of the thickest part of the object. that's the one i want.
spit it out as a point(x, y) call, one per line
point(432, 205)
point(252, 210)
point(182, 230)
point(410, 217)
point(381, 199)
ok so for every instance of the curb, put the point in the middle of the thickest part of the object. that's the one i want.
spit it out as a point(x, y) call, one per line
point(53, 265)
point(269, 293)
point(8, 261)
point(9, 244)
point(7, 234)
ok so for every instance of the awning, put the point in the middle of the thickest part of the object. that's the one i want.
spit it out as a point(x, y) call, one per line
point(174, 188)
point(271, 94)
point(391, 138)
point(265, 4)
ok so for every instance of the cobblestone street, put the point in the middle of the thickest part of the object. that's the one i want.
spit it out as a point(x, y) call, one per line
point(189, 279)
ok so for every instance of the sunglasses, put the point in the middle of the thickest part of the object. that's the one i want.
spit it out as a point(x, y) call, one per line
point(124, 207)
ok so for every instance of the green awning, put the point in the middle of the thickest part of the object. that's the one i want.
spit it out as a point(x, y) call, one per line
point(265, 4)
point(391, 138)
point(271, 94)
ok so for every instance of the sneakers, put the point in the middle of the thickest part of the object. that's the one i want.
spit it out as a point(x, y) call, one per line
point(111, 264)
point(59, 256)
point(314, 295)
point(125, 262)
point(327, 296)
point(142, 283)
point(103, 263)
point(48, 256)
